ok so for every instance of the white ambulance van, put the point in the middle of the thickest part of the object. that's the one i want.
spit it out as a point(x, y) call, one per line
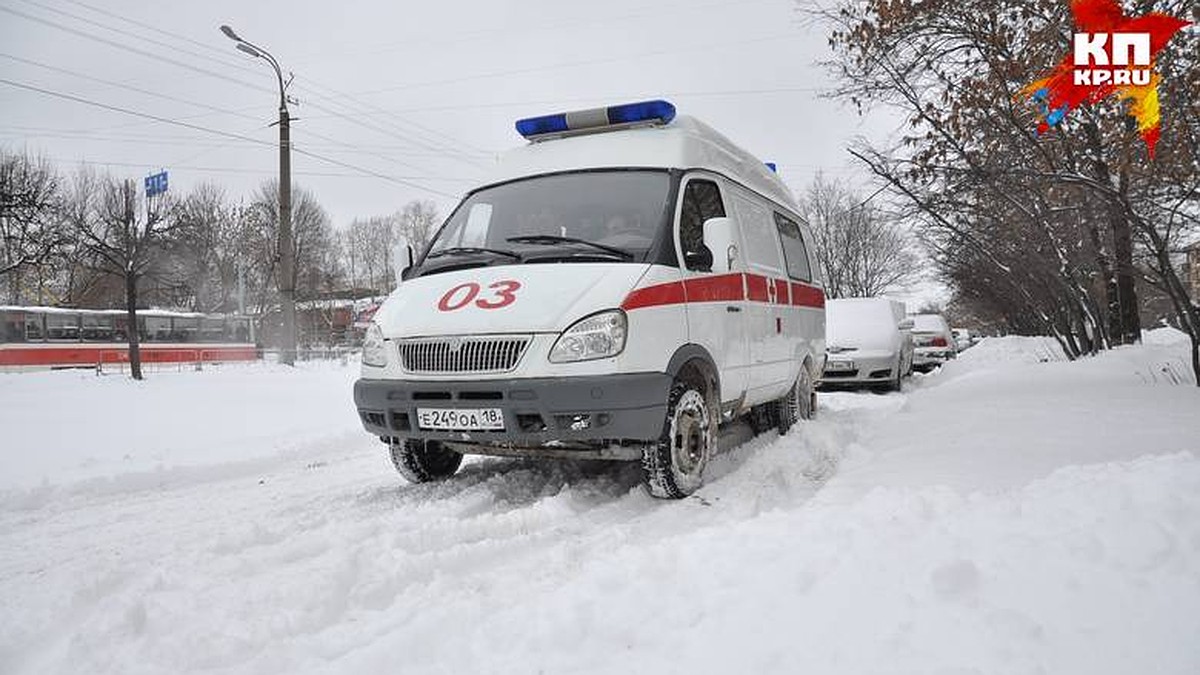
point(626, 282)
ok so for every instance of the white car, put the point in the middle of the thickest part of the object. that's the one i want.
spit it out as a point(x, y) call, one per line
point(933, 340)
point(867, 342)
point(963, 338)
point(619, 287)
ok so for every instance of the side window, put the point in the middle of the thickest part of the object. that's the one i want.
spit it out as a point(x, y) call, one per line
point(701, 201)
point(97, 328)
point(12, 327)
point(34, 328)
point(795, 254)
point(63, 327)
point(762, 249)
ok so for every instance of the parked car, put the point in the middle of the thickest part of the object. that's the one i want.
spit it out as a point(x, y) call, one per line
point(616, 289)
point(933, 341)
point(963, 338)
point(867, 342)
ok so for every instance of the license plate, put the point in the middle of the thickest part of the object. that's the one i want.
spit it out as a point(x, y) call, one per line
point(839, 365)
point(461, 419)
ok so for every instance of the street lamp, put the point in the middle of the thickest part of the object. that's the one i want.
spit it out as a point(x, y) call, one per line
point(287, 290)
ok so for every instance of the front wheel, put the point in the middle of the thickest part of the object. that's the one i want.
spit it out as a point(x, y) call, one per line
point(674, 465)
point(423, 461)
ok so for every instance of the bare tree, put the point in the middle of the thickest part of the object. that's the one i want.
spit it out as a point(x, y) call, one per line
point(369, 242)
point(417, 222)
point(1044, 229)
point(862, 252)
point(124, 241)
point(29, 229)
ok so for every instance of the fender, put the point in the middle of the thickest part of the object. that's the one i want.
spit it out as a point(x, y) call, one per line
point(693, 352)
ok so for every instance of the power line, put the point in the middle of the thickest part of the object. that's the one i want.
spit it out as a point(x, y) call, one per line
point(226, 134)
point(48, 132)
point(575, 64)
point(224, 169)
point(590, 21)
point(226, 62)
point(128, 48)
point(221, 61)
point(589, 99)
point(77, 74)
point(121, 85)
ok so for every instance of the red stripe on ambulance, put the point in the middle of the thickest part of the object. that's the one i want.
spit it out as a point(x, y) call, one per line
point(724, 288)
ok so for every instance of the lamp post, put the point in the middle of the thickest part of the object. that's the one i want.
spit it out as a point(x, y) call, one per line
point(287, 290)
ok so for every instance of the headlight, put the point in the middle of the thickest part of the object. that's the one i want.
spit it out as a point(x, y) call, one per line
point(594, 337)
point(374, 349)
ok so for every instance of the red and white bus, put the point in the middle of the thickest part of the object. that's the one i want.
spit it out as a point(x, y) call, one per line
point(38, 338)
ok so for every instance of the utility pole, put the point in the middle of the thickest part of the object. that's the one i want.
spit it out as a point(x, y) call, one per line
point(286, 252)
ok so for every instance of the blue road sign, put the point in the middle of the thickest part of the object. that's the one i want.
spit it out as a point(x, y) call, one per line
point(156, 184)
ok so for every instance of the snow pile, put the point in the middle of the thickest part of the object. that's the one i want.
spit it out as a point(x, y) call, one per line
point(1002, 515)
point(1166, 335)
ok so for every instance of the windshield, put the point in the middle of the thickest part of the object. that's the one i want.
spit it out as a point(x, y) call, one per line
point(619, 210)
point(929, 323)
point(853, 320)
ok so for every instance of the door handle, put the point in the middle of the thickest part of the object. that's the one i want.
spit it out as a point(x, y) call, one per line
point(732, 308)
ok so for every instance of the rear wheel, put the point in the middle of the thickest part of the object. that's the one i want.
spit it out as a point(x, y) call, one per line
point(422, 461)
point(674, 465)
point(800, 403)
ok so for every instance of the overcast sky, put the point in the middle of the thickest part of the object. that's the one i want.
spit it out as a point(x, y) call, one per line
point(413, 100)
point(400, 101)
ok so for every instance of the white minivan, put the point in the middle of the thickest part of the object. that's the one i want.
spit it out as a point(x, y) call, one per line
point(625, 282)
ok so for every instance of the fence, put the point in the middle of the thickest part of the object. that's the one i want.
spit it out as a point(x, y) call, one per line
point(117, 361)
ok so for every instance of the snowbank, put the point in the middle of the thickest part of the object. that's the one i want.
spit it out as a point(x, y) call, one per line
point(1007, 514)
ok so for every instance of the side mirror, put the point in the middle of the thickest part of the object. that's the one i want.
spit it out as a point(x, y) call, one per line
point(404, 257)
point(906, 324)
point(721, 243)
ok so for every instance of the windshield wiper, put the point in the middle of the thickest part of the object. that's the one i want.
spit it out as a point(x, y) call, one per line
point(551, 239)
point(467, 250)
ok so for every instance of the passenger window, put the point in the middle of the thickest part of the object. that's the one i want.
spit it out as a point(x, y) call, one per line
point(155, 328)
point(12, 327)
point(761, 248)
point(62, 327)
point(33, 328)
point(701, 201)
point(97, 328)
point(795, 254)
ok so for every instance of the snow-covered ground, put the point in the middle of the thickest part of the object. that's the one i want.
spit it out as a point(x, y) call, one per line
point(1011, 513)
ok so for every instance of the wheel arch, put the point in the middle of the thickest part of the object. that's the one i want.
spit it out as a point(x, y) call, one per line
point(696, 358)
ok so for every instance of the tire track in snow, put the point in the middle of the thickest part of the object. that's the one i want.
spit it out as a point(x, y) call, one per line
point(249, 564)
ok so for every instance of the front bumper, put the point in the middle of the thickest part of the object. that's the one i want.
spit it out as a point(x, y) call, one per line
point(869, 368)
point(555, 412)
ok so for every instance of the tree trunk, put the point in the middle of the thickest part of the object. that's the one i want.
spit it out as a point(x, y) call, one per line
point(1124, 320)
point(135, 350)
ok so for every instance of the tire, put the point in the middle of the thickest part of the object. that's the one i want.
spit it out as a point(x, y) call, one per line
point(800, 403)
point(897, 384)
point(674, 465)
point(423, 461)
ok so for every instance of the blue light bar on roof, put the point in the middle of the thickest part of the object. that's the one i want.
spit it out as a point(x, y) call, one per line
point(772, 167)
point(597, 118)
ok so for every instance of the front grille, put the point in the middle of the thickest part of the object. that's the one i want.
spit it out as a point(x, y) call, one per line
point(452, 354)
